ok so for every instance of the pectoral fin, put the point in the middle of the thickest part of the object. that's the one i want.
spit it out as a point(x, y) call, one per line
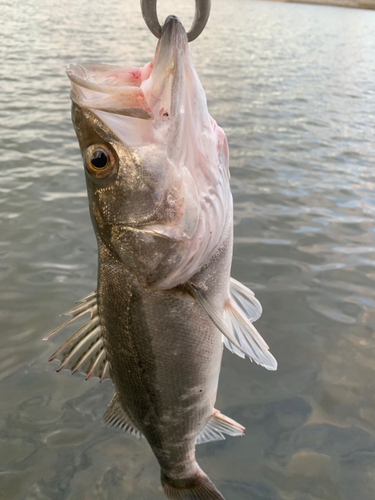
point(84, 350)
point(116, 417)
point(234, 321)
point(217, 426)
point(245, 300)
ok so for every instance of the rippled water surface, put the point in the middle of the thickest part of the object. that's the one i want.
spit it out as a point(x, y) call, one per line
point(293, 86)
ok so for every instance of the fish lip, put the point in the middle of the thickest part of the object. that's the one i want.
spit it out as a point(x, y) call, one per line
point(113, 89)
point(80, 74)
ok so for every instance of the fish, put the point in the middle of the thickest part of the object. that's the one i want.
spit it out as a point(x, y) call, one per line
point(157, 173)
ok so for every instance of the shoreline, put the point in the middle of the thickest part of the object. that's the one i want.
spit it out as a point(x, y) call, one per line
point(351, 4)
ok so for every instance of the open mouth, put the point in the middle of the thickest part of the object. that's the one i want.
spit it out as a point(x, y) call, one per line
point(134, 92)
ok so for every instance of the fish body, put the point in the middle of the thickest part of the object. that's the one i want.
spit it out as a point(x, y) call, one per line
point(157, 177)
point(165, 355)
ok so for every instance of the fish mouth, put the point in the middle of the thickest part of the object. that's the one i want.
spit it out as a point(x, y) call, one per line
point(128, 91)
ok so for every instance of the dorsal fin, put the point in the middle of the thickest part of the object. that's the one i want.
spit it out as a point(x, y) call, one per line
point(234, 322)
point(116, 417)
point(217, 426)
point(84, 350)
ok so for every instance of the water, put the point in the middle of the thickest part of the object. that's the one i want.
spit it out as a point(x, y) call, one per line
point(293, 86)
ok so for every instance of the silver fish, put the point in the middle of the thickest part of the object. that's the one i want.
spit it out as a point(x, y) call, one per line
point(157, 176)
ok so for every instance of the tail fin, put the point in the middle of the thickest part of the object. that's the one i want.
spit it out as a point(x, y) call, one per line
point(199, 487)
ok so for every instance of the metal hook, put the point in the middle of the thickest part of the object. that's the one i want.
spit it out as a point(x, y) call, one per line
point(202, 13)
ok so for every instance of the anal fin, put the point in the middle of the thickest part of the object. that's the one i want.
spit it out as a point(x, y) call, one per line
point(217, 426)
point(116, 418)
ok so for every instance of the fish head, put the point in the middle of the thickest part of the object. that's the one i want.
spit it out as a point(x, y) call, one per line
point(156, 163)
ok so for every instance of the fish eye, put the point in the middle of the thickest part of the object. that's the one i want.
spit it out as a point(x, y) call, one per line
point(99, 161)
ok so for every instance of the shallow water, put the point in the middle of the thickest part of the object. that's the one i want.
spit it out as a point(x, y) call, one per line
point(293, 86)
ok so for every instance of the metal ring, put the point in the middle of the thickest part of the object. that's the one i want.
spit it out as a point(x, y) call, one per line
point(202, 13)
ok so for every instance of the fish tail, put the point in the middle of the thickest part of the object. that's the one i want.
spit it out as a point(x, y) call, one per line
point(199, 487)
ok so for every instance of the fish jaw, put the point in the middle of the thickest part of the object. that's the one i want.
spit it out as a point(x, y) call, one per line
point(108, 88)
point(164, 89)
point(194, 141)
